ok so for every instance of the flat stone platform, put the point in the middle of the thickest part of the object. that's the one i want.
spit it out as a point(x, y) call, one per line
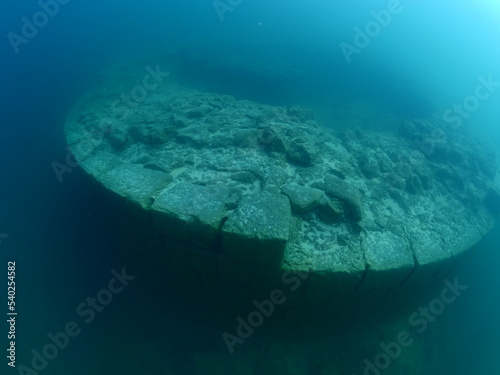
point(242, 198)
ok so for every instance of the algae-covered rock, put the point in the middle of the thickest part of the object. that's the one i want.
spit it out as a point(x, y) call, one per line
point(301, 151)
point(136, 183)
point(191, 212)
point(331, 212)
point(258, 230)
point(277, 177)
point(340, 189)
point(389, 259)
point(118, 138)
point(244, 176)
point(302, 198)
point(150, 132)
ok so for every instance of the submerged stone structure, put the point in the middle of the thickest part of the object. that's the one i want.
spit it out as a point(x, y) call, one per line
point(241, 196)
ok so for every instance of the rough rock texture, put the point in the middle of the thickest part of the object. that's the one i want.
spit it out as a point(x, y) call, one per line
point(136, 183)
point(302, 198)
point(266, 188)
point(191, 213)
point(258, 230)
point(338, 188)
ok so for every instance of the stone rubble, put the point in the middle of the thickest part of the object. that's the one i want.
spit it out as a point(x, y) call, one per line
point(268, 187)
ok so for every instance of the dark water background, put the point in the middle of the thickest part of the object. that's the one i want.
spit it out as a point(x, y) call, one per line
point(430, 55)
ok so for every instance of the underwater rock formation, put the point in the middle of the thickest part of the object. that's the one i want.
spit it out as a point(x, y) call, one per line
point(253, 189)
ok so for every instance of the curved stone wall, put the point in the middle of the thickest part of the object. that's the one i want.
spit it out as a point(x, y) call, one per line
point(243, 197)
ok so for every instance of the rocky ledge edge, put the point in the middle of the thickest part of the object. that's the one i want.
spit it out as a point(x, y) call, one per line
point(251, 191)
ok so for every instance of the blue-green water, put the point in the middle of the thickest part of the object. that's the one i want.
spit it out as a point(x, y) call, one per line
point(407, 58)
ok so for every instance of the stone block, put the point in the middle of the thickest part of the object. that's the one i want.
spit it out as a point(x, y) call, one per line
point(192, 213)
point(258, 230)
